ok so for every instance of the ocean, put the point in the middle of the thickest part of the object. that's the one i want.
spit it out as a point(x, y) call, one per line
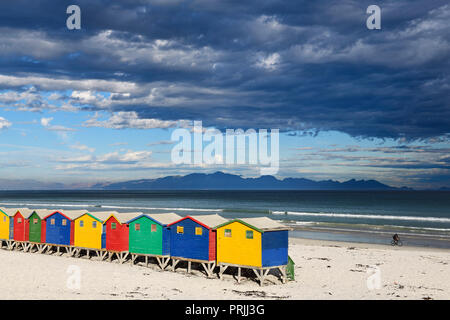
point(421, 218)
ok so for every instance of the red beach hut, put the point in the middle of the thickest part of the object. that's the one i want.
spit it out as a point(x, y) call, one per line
point(21, 225)
point(117, 231)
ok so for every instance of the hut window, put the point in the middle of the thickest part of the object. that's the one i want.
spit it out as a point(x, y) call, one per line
point(35, 221)
point(81, 223)
point(4, 219)
point(52, 222)
point(227, 233)
point(153, 227)
point(198, 231)
point(137, 226)
point(249, 234)
point(113, 226)
point(94, 224)
point(19, 220)
point(180, 229)
point(64, 222)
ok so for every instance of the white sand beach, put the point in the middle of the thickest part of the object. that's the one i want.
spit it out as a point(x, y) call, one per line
point(324, 270)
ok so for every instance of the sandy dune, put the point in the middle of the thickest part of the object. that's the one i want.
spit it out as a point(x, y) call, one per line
point(324, 270)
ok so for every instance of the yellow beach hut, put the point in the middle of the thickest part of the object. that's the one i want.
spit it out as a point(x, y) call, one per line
point(260, 244)
point(89, 231)
point(4, 223)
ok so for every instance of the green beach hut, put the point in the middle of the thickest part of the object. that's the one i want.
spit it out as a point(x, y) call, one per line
point(148, 233)
point(36, 228)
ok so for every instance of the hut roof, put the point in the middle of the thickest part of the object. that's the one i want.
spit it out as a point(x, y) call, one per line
point(261, 224)
point(25, 211)
point(42, 213)
point(265, 223)
point(164, 218)
point(71, 214)
point(125, 216)
point(101, 216)
point(3, 210)
point(210, 220)
point(12, 211)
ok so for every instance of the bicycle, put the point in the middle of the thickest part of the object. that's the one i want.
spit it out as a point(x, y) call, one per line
point(397, 243)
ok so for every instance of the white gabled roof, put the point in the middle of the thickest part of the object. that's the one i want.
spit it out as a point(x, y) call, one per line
point(103, 215)
point(12, 211)
point(165, 218)
point(42, 213)
point(25, 211)
point(72, 214)
point(210, 220)
point(265, 224)
point(124, 217)
point(100, 215)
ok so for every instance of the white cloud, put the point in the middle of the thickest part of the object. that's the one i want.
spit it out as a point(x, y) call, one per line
point(128, 159)
point(270, 62)
point(4, 124)
point(122, 120)
point(82, 147)
point(46, 121)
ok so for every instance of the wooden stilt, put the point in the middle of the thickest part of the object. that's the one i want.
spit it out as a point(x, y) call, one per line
point(162, 261)
point(10, 244)
point(102, 254)
point(189, 267)
point(239, 275)
point(258, 274)
point(209, 268)
point(133, 258)
point(174, 263)
point(123, 257)
point(283, 273)
point(221, 271)
point(165, 262)
point(261, 274)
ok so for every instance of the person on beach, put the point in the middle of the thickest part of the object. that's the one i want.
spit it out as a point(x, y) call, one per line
point(396, 238)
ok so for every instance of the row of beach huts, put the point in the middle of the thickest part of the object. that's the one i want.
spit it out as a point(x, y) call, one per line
point(258, 244)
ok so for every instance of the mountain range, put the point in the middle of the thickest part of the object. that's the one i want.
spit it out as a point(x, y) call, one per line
point(225, 181)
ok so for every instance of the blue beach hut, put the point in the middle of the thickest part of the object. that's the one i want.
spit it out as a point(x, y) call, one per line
point(193, 237)
point(59, 228)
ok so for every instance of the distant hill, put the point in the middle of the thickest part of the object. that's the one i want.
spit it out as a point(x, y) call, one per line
point(28, 184)
point(225, 181)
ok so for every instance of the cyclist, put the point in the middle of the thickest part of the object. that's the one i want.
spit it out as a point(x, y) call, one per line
point(396, 238)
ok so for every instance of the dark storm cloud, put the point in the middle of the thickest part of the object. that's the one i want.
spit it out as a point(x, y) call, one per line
point(294, 65)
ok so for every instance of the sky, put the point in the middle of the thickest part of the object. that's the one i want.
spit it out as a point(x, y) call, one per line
point(100, 104)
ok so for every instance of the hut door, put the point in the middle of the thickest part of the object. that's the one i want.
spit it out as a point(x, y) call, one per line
point(11, 228)
point(104, 236)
